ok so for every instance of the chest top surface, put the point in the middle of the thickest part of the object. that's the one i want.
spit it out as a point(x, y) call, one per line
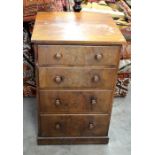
point(75, 28)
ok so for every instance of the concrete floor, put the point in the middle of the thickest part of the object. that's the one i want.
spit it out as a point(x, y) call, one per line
point(119, 133)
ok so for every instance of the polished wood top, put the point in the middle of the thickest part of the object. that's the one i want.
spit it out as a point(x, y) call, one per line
point(76, 28)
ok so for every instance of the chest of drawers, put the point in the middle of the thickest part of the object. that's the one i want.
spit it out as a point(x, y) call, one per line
point(77, 57)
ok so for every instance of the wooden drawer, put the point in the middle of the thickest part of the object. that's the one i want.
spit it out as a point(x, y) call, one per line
point(73, 101)
point(74, 125)
point(78, 55)
point(76, 77)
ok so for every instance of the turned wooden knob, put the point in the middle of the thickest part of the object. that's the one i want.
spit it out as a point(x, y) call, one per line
point(96, 78)
point(77, 5)
point(57, 102)
point(58, 56)
point(91, 125)
point(93, 101)
point(57, 126)
point(98, 56)
point(58, 79)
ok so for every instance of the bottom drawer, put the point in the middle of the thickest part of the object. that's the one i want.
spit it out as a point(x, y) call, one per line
point(69, 125)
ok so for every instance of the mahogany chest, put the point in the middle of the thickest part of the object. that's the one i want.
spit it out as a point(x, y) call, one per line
point(77, 57)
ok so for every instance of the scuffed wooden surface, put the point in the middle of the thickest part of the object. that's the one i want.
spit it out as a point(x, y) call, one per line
point(76, 28)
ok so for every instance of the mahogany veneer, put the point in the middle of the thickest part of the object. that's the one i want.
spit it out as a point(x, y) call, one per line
point(77, 57)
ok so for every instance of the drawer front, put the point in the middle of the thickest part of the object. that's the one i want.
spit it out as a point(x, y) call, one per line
point(73, 101)
point(76, 77)
point(74, 125)
point(78, 55)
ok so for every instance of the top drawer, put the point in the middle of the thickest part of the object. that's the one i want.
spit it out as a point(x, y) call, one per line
point(78, 55)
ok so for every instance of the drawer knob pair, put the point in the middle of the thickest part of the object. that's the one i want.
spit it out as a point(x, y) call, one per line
point(58, 79)
point(58, 102)
point(58, 126)
point(58, 56)
point(98, 56)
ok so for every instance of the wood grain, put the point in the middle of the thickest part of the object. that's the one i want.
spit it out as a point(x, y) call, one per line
point(72, 140)
point(74, 101)
point(76, 77)
point(74, 125)
point(78, 55)
point(76, 28)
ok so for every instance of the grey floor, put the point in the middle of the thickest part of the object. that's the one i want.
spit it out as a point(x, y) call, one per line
point(119, 133)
